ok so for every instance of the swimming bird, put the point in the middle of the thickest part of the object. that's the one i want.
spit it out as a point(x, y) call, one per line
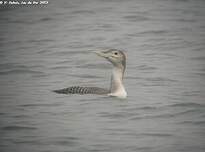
point(117, 89)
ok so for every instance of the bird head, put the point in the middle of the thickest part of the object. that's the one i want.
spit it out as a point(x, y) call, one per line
point(116, 57)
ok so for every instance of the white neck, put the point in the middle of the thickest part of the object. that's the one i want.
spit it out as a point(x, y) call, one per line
point(117, 88)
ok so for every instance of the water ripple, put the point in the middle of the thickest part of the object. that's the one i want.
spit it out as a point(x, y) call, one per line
point(136, 18)
point(193, 122)
point(68, 141)
point(165, 115)
point(18, 128)
point(20, 71)
point(41, 105)
point(156, 134)
point(189, 104)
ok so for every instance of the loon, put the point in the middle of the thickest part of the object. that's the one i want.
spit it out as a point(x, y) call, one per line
point(118, 60)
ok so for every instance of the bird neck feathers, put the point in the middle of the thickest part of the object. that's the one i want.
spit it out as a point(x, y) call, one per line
point(117, 87)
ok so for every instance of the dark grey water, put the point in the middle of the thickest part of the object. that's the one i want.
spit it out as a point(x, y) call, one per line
point(43, 48)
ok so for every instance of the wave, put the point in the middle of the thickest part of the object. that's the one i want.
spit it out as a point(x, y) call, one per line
point(20, 71)
point(14, 128)
point(12, 68)
point(189, 104)
point(165, 115)
point(136, 18)
point(41, 105)
point(156, 134)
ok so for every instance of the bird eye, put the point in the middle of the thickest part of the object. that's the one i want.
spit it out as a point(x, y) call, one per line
point(116, 53)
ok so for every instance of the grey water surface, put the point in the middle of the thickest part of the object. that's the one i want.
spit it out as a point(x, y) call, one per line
point(48, 47)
